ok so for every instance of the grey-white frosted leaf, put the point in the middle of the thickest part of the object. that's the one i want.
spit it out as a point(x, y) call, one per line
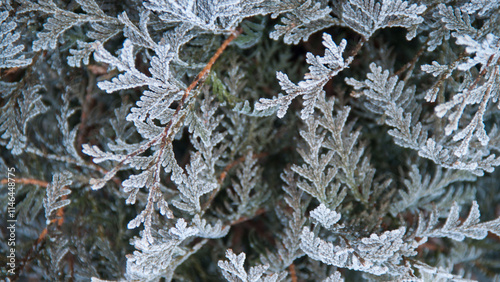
point(181, 230)
point(234, 266)
point(54, 192)
point(325, 216)
point(206, 230)
point(9, 53)
point(335, 277)
point(435, 69)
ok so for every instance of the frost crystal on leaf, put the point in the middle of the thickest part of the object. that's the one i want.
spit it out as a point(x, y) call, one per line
point(335, 277)
point(321, 70)
point(381, 248)
point(234, 271)
point(300, 22)
point(435, 69)
point(206, 230)
point(181, 231)
point(193, 186)
point(367, 16)
point(170, 109)
point(153, 260)
point(454, 20)
point(456, 229)
point(325, 216)
point(17, 113)
point(9, 53)
point(56, 190)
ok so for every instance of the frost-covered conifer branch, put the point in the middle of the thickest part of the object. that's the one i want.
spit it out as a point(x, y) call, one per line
point(21, 106)
point(288, 249)
point(374, 255)
point(234, 271)
point(302, 20)
point(11, 56)
point(62, 20)
point(162, 136)
point(488, 55)
point(56, 190)
point(321, 70)
point(456, 229)
point(55, 199)
point(423, 190)
point(170, 248)
point(356, 172)
point(386, 95)
point(245, 193)
point(201, 166)
point(190, 188)
point(367, 16)
point(317, 167)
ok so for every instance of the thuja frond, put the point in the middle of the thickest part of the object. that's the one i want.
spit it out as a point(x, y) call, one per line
point(320, 140)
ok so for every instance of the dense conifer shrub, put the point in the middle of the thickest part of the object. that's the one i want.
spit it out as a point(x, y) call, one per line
point(250, 140)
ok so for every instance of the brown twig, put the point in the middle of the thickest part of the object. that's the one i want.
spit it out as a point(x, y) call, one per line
point(293, 274)
point(199, 77)
point(483, 72)
point(25, 181)
point(208, 67)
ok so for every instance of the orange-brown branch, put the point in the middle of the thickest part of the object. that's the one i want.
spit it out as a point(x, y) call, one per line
point(293, 274)
point(200, 75)
point(209, 65)
point(25, 181)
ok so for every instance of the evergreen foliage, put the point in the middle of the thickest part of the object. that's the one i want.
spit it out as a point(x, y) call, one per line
point(251, 140)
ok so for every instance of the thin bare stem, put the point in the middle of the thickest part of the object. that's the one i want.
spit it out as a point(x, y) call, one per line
point(293, 274)
point(31, 181)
